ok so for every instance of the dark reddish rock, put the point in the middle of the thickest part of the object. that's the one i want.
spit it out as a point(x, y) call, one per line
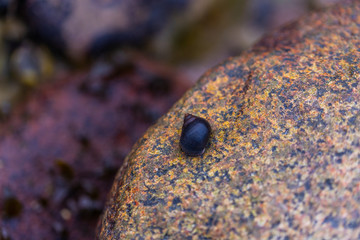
point(4, 234)
point(60, 150)
point(80, 28)
point(284, 159)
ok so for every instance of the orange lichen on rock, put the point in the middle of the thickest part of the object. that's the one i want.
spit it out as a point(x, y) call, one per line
point(284, 151)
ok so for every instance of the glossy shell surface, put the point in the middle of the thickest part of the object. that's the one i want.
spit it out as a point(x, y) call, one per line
point(195, 135)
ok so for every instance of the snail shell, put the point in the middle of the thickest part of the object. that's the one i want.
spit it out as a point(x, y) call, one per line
point(195, 135)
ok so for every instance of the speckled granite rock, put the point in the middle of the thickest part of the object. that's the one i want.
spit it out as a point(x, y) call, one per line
point(284, 157)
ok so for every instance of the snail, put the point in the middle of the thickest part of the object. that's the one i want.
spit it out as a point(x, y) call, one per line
point(195, 135)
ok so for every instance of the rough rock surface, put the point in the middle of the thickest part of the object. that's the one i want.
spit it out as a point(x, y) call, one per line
point(284, 157)
point(60, 150)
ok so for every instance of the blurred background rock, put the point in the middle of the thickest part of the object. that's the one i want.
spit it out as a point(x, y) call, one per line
point(189, 35)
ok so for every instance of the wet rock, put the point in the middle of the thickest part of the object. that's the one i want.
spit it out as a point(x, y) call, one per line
point(4, 235)
point(11, 206)
point(4, 7)
point(60, 150)
point(23, 65)
point(30, 65)
point(81, 28)
point(283, 159)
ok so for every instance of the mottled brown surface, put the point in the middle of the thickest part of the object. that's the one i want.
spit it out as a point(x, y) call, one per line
point(284, 157)
point(82, 27)
point(60, 150)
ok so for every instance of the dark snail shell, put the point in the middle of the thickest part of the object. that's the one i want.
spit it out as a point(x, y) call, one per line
point(195, 135)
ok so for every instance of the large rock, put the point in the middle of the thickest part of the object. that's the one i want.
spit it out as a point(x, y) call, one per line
point(284, 156)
